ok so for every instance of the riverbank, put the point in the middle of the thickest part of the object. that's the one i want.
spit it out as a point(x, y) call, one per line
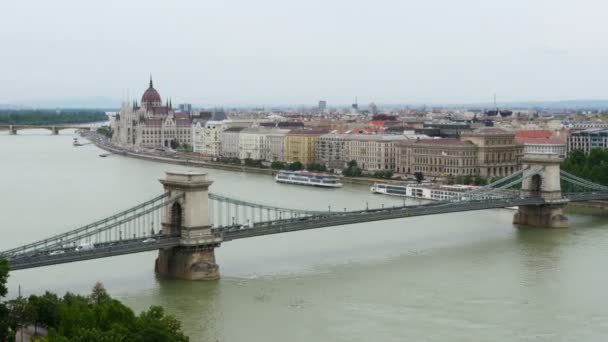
point(102, 143)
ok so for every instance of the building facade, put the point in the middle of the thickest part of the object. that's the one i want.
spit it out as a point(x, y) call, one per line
point(229, 142)
point(487, 152)
point(206, 137)
point(151, 124)
point(332, 150)
point(438, 157)
point(373, 152)
point(275, 145)
point(588, 139)
point(301, 145)
point(497, 152)
point(252, 142)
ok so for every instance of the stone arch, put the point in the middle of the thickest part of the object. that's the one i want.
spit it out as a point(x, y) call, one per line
point(176, 219)
point(536, 184)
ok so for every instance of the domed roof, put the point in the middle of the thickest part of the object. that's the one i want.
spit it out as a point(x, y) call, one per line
point(151, 96)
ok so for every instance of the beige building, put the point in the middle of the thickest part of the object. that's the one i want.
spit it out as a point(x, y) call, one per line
point(497, 152)
point(437, 157)
point(275, 145)
point(206, 137)
point(301, 145)
point(252, 142)
point(373, 152)
point(486, 152)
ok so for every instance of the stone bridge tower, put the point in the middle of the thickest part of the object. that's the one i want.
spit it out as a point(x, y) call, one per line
point(188, 218)
point(541, 178)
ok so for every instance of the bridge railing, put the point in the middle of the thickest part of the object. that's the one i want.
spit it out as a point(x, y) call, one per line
point(138, 221)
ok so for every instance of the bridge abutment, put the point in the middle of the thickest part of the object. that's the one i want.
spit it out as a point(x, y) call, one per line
point(548, 216)
point(188, 218)
point(541, 178)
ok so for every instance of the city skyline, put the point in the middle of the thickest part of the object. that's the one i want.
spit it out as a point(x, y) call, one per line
point(277, 53)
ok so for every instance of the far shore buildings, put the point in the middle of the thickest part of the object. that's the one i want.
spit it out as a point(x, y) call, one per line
point(486, 152)
point(588, 139)
point(151, 124)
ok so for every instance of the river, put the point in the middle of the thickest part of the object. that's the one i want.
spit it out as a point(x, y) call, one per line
point(468, 276)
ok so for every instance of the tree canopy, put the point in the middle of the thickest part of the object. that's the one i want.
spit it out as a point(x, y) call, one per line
point(75, 318)
point(352, 170)
point(592, 166)
point(51, 117)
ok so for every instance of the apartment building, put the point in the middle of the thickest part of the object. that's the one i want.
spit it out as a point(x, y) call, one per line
point(301, 145)
point(332, 150)
point(229, 142)
point(373, 152)
point(275, 145)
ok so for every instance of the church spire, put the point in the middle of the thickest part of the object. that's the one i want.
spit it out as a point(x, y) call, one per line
point(170, 104)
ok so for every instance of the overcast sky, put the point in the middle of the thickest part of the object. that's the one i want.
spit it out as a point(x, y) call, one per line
point(298, 52)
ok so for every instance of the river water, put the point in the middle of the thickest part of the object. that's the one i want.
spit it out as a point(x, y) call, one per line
point(469, 276)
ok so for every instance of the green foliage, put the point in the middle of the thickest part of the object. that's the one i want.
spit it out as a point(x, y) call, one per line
point(383, 174)
point(4, 313)
point(352, 170)
point(295, 166)
point(94, 318)
point(253, 162)
point(3, 277)
point(105, 131)
point(225, 160)
point(183, 147)
point(592, 166)
point(51, 117)
point(419, 176)
point(278, 165)
point(480, 180)
point(316, 167)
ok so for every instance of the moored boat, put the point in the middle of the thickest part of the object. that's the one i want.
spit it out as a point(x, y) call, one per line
point(323, 180)
point(422, 191)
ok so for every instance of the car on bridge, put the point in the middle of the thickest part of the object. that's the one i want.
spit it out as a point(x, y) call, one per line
point(149, 240)
point(84, 247)
point(57, 252)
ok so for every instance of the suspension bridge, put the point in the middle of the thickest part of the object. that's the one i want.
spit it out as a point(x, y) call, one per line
point(186, 223)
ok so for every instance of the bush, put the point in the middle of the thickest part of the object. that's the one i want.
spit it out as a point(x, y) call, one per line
point(105, 131)
point(318, 167)
point(383, 174)
point(295, 166)
point(352, 170)
point(278, 165)
point(253, 162)
point(97, 317)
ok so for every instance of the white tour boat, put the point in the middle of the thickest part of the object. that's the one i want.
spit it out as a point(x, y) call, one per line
point(422, 191)
point(324, 180)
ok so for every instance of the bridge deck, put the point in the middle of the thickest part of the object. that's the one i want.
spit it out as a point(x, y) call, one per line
point(106, 250)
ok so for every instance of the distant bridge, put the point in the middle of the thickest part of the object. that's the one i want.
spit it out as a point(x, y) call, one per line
point(186, 223)
point(13, 129)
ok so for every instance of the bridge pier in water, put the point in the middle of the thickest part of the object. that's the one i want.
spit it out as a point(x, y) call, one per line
point(541, 178)
point(188, 218)
point(12, 130)
point(55, 130)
